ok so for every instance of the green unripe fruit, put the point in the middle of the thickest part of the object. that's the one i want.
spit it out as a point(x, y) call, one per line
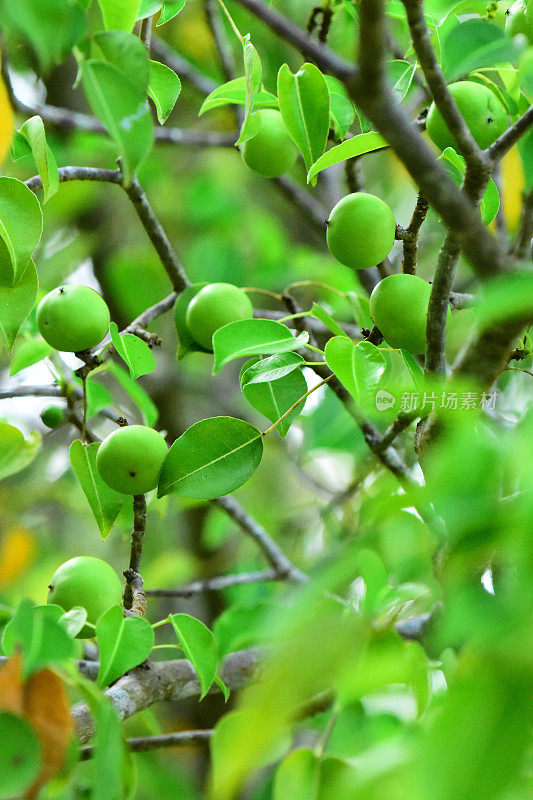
point(73, 318)
point(271, 152)
point(215, 305)
point(484, 114)
point(88, 582)
point(53, 416)
point(361, 230)
point(130, 459)
point(398, 306)
point(520, 20)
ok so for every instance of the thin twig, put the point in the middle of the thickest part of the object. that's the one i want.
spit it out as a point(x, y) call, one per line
point(522, 245)
point(143, 743)
point(217, 584)
point(137, 540)
point(410, 235)
point(146, 32)
point(503, 144)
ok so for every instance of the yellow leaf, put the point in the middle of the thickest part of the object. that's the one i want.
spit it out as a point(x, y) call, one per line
point(16, 552)
point(512, 179)
point(6, 122)
point(11, 690)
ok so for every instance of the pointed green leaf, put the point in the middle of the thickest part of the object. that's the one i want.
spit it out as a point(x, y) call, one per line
point(164, 89)
point(142, 399)
point(275, 398)
point(342, 112)
point(212, 458)
point(123, 643)
point(28, 352)
point(133, 351)
point(253, 75)
point(304, 102)
point(108, 753)
point(297, 776)
point(198, 644)
point(490, 201)
point(149, 8)
point(16, 452)
point(326, 319)
point(127, 53)
point(234, 92)
point(21, 225)
point(38, 634)
point(270, 369)
point(357, 146)
point(33, 131)
point(123, 110)
point(105, 502)
point(119, 14)
point(358, 365)
point(170, 10)
point(248, 337)
point(16, 302)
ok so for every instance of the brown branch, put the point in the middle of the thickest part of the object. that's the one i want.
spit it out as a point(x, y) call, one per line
point(146, 32)
point(143, 743)
point(217, 584)
point(137, 540)
point(165, 680)
point(522, 246)
point(409, 236)
point(503, 144)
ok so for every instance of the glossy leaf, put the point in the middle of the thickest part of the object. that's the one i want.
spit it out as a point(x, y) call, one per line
point(234, 92)
point(357, 146)
point(275, 398)
point(248, 337)
point(123, 643)
point(212, 458)
point(127, 53)
point(105, 502)
point(134, 351)
point(73, 621)
point(342, 111)
point(327, 320)
point(271, 369)
point(21, 225)
point(304, 102)
point(142, 399)
point(38, 634)
point(16, 452)
point(198, 644)
point(164, 89)
point(490, 202)
point(27, 353)
point(253, 74)
point(359, 366)
point(16, 303)
point(123, 110)
point(33, 132)
point(149, 8)
point(119, 14)
point(473, 44)
point(170, 10)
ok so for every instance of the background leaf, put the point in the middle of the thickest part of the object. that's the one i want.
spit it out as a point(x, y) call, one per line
point(16, 452)
point(16, 303)
point(21, 225)
point(28, 352)
point(33, 132)
point(198, 644)
point(119, 14)
point(212, 458)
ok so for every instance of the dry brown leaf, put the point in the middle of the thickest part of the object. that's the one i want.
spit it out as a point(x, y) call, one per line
point(46, 707)
point(11, 687)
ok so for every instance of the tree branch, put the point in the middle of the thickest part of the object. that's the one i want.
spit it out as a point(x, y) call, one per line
point(503, 144)
point(217, 584)
point(137, 541)
point(165, 680)
point(409, 236)
point(522, 246)
point(143, 743)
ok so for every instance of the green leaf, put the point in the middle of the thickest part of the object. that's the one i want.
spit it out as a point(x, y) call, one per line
point(98, 397)
point(133, 351)
point(73, 621)
point(21, 225)
point(248, 337)
point(342, 111)
point(149, 8)
point(52, 27)
point(28, 352)
point(123, 109)
point(270, 369)
point(297, 777)
point(241, 626)
point(401, 74)
point(327, 320)
point(33, 132)
point(21, 755)
point(119, 14)
point(198, 644)
point(273, 399)
point(105, 502)
point(506, 297)
point(525, 148)
point(142, 399)
point(170, 10)
point(185, 341)
point(360, 309)
point(212, 458)
point(127, 53)
point(123, 643)
point(223, 688)
point(164, 89)
point(358, 365)
point(304, 102)
point(16, 302)
point(16, 452)
point(108, 754)
point(253, 74)
point(415, 370)
point(473, 44)
point(37, 633)
point(357, 146)
point(234, 92)
point(490, 202)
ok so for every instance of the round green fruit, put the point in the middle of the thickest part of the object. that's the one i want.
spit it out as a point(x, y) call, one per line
point(130, 459)
point(53, 416)
point(483, 113)
point(73, 318)
point(520, 20)
point(398, 306)
point(271, 152)
point(361, 230)
point(215, 305)
point(88, 582)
